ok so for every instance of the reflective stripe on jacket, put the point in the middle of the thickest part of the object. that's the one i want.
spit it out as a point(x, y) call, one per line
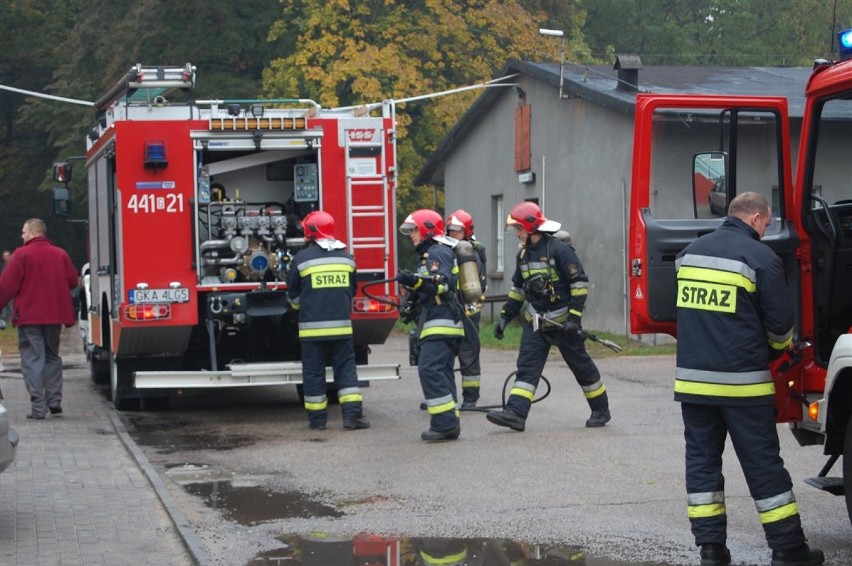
point(558, 261)
point(436, 291)
point(733, 309)
point(320, 286)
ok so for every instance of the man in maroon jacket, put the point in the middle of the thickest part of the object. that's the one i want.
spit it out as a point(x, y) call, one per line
point(39, 277)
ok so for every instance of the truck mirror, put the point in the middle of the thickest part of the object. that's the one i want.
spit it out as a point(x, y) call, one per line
point(62, 201)
point(709, 184)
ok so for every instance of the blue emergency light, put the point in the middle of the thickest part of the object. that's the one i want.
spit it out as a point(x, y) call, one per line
point(844, 42)
point(155, 154)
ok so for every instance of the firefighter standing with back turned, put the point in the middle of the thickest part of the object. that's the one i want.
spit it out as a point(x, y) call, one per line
point(549, 283)
point(460, 226)
point(320, 285)
point(733, 316)
point(433, 305)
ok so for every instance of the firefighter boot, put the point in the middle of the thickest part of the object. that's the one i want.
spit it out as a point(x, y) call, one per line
point(470, 396)
point(317, 419)
point(598, 418)
point(507, 418)
point(440, 436)
point(356, 423)
point(802, 556)
point(715, 555)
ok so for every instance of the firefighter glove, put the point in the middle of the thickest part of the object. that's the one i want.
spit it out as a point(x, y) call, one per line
point(409, 312)
point(406, 279)
point(572, 325)
point(500, 328)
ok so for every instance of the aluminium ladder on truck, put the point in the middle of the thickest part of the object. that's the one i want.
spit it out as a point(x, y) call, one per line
point(368, 202)
point(148, 84)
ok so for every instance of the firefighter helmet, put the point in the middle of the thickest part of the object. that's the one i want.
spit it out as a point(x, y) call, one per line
point(461, 220)
point(529, 217)
point(318, 225)
point(428, 222)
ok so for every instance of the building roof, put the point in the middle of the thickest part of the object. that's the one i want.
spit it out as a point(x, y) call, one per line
point(597, 83)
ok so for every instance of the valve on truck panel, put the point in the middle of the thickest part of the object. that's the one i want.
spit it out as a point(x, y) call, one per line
point(244, 242)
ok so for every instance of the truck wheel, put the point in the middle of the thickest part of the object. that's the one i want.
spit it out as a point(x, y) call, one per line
point(98, 369)
point(120, 376)
point(847, 468)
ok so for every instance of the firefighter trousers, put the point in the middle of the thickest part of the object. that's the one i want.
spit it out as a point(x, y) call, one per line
point(469, 363)
point(755, 440)
point(435, 369)
point(534, 349)
point(340, 355)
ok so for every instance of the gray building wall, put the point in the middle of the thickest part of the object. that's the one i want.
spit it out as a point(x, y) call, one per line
point(581, 155)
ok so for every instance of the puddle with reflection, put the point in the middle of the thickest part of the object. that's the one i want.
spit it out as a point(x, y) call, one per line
point(252, 505)
point(169, 437)
point(373, 550)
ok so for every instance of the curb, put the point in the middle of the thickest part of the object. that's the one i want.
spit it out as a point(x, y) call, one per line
point(190, 541)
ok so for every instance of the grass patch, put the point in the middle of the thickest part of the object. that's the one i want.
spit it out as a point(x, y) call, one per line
point(9, 339)
point(512, 340)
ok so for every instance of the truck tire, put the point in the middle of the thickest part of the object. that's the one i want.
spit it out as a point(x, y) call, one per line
point(120, 376)
point(98, 369)
point(847, 468)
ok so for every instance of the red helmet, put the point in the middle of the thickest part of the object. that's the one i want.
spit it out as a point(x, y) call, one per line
point(528, 216)
point(461, 220)
point(318, 225)
point(428, 222)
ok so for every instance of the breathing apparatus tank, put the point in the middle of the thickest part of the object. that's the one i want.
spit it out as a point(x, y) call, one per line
point(466, 257)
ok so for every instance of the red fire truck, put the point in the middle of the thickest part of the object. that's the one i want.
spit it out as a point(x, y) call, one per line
point(194, 215)
point(691, 155)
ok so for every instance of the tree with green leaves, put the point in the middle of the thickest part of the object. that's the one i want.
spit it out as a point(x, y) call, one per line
point(346, 52)
point(716, 32)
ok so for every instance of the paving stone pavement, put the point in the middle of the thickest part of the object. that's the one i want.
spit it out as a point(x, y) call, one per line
point(76, 493)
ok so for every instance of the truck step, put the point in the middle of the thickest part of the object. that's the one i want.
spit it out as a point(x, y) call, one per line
point(831, 485)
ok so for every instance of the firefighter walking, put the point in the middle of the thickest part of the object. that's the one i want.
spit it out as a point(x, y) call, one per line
point(433, 304)
point(460, 226)
point(549, 289)
point(320, 286)
point(733, 315)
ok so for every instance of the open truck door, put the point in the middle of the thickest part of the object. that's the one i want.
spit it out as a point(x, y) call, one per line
point(691, 155)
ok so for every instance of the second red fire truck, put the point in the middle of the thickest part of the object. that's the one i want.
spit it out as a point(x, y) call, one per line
point(691, 155)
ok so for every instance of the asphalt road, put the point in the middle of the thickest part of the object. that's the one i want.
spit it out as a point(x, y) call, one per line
point(247, 472)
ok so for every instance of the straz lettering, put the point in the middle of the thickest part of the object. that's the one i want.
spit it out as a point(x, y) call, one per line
point(326, 280)
point(707, 296)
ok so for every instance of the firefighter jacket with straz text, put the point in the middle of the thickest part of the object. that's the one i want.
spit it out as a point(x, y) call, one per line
point(548, 278)
point(733, 315)
point(435, 291)
point(320, 286)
